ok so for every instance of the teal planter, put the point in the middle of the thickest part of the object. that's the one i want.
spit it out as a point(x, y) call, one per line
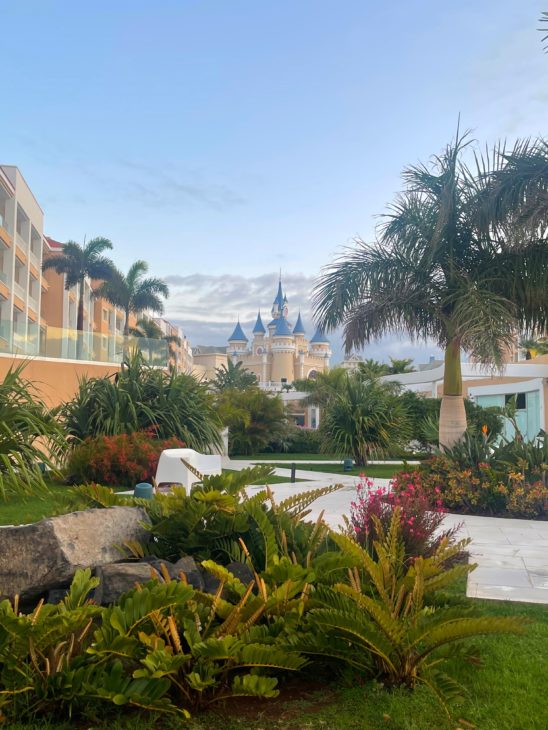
point(143, 490)
point(348, 464)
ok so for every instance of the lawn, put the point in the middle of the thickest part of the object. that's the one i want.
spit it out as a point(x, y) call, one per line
point(288, 457)
point(382, 471)
point(272, 479)
point(507, 692)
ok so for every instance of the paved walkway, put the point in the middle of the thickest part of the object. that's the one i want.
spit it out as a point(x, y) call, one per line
point(512, 555)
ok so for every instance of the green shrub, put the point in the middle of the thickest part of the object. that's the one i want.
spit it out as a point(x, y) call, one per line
point(28, 435)
point(253, 417)
point(296, 440)
point(385, 620)
point(141, 398)
point(122, 460)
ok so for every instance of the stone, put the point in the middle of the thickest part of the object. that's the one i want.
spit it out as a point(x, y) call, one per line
point(193, 574)
point(56, 595)
point(239, 570)
point(118, 578)
point(45, 555)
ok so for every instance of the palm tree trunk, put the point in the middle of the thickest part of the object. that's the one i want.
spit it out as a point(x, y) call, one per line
point(80, 321)
point(452, 412)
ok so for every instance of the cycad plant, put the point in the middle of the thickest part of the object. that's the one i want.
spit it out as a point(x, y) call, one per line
point(442, 268)
point(134, 293)
point(385, 619)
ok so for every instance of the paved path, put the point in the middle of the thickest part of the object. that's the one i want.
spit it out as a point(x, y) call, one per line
point(512, 555)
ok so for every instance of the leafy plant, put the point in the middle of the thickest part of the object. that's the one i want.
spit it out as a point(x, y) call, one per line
point(363, 419)
point(253, 418)
point(143, 398)
point(233, 377)
point(421, 518)
point(385, 620)
point(28, 435)
point(121, 460)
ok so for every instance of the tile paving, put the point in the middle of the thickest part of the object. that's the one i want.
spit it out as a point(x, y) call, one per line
point(511, 554)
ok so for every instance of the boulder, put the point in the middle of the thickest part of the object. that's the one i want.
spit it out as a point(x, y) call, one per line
point(239, 570)
point(45, 555)
point(193, 573)
point(118, 578)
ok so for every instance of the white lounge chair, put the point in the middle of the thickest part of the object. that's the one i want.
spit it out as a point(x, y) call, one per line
point(171, 469)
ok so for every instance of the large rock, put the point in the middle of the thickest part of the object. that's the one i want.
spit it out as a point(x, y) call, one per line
point(118, 578)
point(36, 558)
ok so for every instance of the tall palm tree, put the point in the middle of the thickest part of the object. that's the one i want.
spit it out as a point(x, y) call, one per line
point(400, 366)
point(438, 270)
point(133, 293)
point(78, 262)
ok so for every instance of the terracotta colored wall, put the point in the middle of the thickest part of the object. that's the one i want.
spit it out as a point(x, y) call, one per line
point(56, 380)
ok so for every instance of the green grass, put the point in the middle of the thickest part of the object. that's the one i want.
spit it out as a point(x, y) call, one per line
point(382, 471)
point(507, 692)
point(288, 457)
point(272, 479)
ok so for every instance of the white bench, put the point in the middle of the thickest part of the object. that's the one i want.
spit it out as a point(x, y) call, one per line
point(171, 469)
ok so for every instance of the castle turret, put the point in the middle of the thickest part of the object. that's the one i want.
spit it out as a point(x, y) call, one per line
point(237, 341)
point(320, 346)
point(283, 352)
point(301, 349)
point(259, 332)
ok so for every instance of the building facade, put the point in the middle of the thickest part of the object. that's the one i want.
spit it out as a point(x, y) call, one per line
point(280, 353)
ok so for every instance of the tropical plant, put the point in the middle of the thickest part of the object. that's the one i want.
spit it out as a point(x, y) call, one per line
point(233, 377)
point(29, 435)
point(385, 619)
point(252, 416)
point(323, 387)
point(363, 419)
point(371, 368)
point(133, 293)
point(533, 347)
point(442, 268)
point(121, 460)
point(141, 398)
point(421, 518)
point(403, 365)
point(80, 262)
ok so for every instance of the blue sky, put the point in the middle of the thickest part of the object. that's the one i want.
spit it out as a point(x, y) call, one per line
point(223, 140)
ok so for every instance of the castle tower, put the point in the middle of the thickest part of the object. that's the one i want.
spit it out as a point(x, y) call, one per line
point(300, 348)
point(283, 352)
point(237, 343)
point(320, 346)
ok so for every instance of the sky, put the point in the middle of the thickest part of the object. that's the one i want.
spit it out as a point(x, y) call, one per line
point(223, 141)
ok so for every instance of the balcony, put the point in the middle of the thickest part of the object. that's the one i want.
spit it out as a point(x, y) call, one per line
point(19, 291)
point(69, 344)
point(21, 241)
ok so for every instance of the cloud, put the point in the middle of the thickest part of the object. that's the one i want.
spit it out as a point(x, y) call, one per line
point(207, 308)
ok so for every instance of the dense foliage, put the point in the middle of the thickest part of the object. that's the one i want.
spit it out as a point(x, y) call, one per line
point(233, 377)
point(28, 435)
point(121, 460)
point(293, 439)
point(143, 398)
point(254, 418)
point(478, 476)
point(421, 518)
point(364, 419)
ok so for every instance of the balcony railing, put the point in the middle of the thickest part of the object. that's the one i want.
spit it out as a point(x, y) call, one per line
point(19, 290)
point(21, 241)
point(4, 277)
point(70, 344)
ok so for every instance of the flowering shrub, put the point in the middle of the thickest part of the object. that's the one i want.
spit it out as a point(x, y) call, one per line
point(122, 460)
point(479, 489)
point(420, 517)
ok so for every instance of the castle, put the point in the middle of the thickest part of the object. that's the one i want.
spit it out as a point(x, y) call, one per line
point(279, 353)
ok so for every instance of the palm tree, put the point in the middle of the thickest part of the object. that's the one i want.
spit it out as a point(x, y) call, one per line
point(371, 368)
point(133, 293)
point(533, 347)
point(439, 270)
point(397, 367)
point(78, 262)
point(233, 377)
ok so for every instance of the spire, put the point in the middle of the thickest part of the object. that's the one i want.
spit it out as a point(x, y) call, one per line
point(299, 327)
point(278, 303)
point(282, 328)
point(238, 335)
point(319, 338)
point(259, 326)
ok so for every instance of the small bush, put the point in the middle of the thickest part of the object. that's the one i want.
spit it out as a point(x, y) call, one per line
point(420, 517)
point(296, 440)
point(122, 460)
point(478, 489)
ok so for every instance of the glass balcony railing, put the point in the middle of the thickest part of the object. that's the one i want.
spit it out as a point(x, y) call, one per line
point(4, 277)
point(69, 344)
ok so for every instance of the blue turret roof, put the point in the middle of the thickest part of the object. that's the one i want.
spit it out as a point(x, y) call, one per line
point(259, 326)
point(282, 328)
point(279, 300)
point(238, 335)
point(319, 338)
point(299, 327)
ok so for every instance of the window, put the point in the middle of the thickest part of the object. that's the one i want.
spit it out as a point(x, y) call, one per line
point(521, 403)
point(105, 315)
